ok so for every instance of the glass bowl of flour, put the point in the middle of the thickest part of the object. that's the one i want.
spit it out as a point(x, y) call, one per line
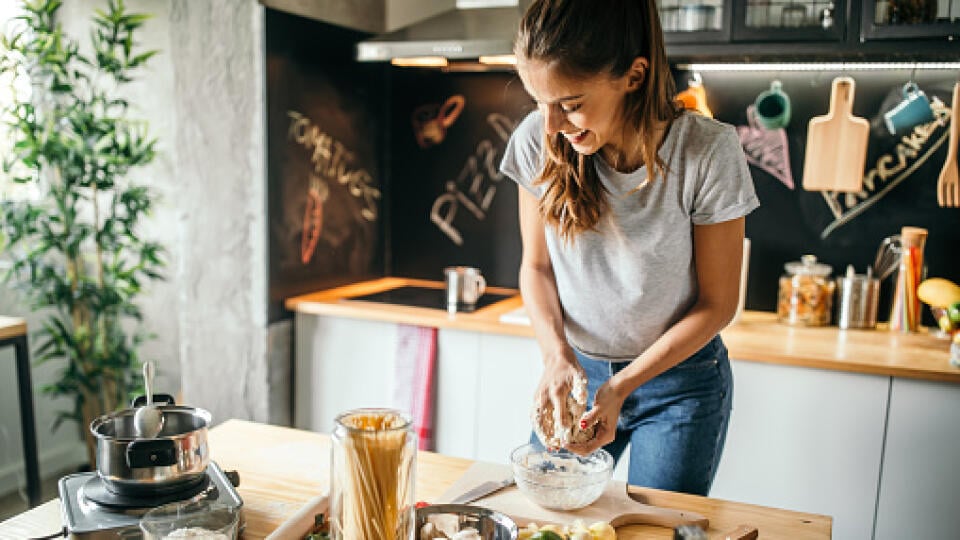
point(195, 520)
point(561, 480)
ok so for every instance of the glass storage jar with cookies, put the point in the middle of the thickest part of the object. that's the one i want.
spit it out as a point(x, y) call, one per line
point(806, 293)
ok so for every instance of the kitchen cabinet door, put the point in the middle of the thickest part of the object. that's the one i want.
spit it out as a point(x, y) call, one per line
point(695, 21)
point(341, 364)
point(788, 20)
point(457, 393)
point(808, 440)
point(920, 485)
point(510, 369)
point(901, 19)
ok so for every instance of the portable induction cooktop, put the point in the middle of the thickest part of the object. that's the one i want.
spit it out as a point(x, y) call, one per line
point(91, 511)
point(426, 297)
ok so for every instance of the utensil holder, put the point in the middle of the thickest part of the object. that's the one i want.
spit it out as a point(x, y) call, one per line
point(905, 307)
point(857, 301)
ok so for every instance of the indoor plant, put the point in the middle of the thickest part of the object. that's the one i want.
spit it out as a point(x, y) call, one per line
point(75, 250)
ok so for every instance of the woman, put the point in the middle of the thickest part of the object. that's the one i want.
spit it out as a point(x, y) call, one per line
point(632, 220)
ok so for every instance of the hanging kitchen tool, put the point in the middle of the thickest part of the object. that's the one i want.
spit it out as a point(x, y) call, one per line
point(948, 185)
point(836, 144)
point(695, 96)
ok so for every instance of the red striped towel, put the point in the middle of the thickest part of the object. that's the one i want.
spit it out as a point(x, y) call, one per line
point(415, 366)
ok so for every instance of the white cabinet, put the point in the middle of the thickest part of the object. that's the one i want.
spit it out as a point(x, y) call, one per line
point(457, 393)
point(341, 364)
point(808, 440)
point(920, 484)
point(510, 369)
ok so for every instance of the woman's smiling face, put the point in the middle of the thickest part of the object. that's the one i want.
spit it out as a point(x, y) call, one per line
point(588, 112)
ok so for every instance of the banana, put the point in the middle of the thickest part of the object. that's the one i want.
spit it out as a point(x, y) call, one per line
point(938, 292)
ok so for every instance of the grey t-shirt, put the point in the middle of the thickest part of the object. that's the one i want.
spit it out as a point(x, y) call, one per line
point(623, 284)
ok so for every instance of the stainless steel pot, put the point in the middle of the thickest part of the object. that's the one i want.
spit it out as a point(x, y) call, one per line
point(176, 459)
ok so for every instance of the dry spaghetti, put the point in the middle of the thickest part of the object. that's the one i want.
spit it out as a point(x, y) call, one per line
point(372, 469)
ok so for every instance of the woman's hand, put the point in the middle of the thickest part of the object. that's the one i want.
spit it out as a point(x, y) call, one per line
point(604, 415)
point(560, 371)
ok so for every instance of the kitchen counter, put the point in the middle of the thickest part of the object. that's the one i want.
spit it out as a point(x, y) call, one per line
point(756, 337)
point(281, 469)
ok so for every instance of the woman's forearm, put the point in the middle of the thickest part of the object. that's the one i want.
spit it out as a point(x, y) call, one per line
point(539, 292)
point(679, 342)
point(718, 254)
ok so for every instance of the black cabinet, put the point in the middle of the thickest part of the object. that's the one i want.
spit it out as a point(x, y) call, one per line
point(789, 20)
point(695, 21)
point(811, 30)
point(911, 19)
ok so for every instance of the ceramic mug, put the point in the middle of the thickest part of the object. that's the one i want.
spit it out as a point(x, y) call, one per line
point(773, 107)
point(913, 110)
point(465, 285)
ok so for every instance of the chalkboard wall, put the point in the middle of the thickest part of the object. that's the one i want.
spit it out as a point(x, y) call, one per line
point(793, 222)
point(449, 203)
point(325, 144)
point(429, 143)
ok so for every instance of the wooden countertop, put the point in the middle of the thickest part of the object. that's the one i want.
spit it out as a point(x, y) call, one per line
point(281, 469)
point(756, 337)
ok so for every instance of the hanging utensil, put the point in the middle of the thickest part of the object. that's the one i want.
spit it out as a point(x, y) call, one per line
point(836, 149)
point(948, 185)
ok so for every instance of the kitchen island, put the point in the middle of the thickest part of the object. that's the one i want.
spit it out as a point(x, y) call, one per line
point(281, 469)
point(856, 424)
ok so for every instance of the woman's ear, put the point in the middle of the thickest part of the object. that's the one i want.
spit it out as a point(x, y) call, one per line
point(637, 73)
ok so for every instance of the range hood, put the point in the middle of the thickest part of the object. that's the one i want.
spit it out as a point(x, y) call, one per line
point(474, 29)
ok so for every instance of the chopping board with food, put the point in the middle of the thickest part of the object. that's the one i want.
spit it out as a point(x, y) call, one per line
point(614, 506)
point(836, 149)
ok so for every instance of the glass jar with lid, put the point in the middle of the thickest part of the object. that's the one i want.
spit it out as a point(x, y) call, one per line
point(806, 293)
point(372, 476)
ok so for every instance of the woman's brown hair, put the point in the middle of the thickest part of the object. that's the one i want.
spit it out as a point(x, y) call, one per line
point(584, 38)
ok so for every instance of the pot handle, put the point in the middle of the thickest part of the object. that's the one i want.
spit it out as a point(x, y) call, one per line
point(151, 453)
point(158, 399)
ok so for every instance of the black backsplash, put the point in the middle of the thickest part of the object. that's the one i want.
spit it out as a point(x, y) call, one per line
point(369, 108)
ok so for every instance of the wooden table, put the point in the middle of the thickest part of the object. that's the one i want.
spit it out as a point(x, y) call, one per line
point(13, 331)
point(281, 468)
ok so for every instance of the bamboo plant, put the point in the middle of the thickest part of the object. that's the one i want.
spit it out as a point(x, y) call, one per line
point(76, 250)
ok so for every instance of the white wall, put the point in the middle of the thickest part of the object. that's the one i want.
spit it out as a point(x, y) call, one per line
point(204, 98)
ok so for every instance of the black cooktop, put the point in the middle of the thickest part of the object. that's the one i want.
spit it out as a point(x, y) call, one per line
point(427, 297)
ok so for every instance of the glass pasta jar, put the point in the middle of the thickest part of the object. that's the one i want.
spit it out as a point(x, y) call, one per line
point(372, 476)
point(806, 293)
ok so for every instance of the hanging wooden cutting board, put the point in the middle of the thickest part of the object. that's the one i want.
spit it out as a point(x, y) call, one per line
point(614, 506)
point(836, 144)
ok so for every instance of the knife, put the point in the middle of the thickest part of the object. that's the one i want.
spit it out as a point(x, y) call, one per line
point(482, 491)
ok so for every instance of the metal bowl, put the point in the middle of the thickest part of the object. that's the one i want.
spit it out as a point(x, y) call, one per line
point(561, 480)
point(491, 525)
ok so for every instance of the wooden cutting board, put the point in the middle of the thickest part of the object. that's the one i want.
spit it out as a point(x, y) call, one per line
point(836, 144)
point(614, 506)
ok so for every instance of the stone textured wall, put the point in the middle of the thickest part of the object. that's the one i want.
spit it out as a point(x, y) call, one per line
point(219, 104)
point(204, 98)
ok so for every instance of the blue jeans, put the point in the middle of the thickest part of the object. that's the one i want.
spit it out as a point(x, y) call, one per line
point(676, 423)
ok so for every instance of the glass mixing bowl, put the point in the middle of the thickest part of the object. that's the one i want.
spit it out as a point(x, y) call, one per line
point(561, 480)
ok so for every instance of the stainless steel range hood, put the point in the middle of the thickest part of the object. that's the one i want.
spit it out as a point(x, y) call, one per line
point(476, 28)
